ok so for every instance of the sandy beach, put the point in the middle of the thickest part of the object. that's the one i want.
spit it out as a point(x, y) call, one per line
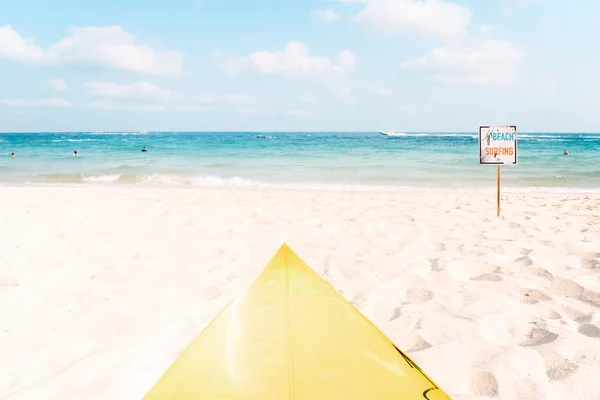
point(102, 288)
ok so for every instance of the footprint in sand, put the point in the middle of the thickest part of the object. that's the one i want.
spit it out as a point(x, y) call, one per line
point(589, 330)
point(490, 277)
point(524, 261)
point(591, 261)
point(591, 297)
point(552, 314)
point(572, 290)
point(483, 383)
point(359, 300)
point(526, 251)
point(533, 296)
point(538, 336)
point(411, 341)
point(418, 344)
point(558, 368)
point(541, 272)
point(584, 319)
point(396, 313)
point(435, 265)
point(562, 371)
point(575, 314)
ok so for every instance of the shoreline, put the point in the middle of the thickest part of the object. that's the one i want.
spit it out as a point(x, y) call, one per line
point(349, 188)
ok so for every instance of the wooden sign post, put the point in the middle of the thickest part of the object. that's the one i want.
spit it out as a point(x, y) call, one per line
point(498, 145)
point(498, 190)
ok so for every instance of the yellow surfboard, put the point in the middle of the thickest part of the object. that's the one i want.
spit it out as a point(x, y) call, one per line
point(290, 335)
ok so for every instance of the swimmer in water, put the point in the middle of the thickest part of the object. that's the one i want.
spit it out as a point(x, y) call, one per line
point(75, 153)
point(566, 152)
point(144, 149)
point(13, 155)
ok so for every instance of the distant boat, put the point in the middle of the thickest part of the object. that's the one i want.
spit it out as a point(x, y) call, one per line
point(392, 133)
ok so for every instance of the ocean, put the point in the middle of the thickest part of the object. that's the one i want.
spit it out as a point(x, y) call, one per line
point(320, 160)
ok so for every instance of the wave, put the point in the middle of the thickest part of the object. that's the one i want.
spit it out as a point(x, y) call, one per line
point(102, 178)
point(120, 133)
point(522, 136)
point(402, 134)
point(212, 181)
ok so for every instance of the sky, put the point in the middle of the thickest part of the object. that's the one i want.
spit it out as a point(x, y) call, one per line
point(310, 65)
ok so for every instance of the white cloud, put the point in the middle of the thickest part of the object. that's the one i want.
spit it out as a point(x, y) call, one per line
point(15, 47)
point(107, 47)
point(476, 62)
point(103, 105)
point(52, 102)
point(326, 15)
point(461, 57)
point(138, 89)
point(294, 61)
point(434, 18)
point(58, 84)
point(405, 108)
point(383, 92)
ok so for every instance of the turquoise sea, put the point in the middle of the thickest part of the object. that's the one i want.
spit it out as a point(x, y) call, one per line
point(295, 159)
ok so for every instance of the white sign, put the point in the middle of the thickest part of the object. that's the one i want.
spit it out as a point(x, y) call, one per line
point(498, 145)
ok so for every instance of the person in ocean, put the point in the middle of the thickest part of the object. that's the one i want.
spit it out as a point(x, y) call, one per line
point(75, 153)
point(144, 149)
point(566, 152)
point(13, 155)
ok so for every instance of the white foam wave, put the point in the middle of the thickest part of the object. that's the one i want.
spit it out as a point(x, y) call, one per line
point(547, 189)
point(533, 135)
point(402, 134)
point(78, 140)
point(237, 182)
point(102, 178)
point(212, 181)
point(119, 133)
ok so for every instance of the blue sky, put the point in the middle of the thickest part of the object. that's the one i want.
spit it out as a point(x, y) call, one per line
point(412, 65)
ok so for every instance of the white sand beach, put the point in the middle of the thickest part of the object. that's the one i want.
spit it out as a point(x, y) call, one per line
point(102, 288)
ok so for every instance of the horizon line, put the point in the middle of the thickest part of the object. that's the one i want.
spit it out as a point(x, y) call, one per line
point(277, 131)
